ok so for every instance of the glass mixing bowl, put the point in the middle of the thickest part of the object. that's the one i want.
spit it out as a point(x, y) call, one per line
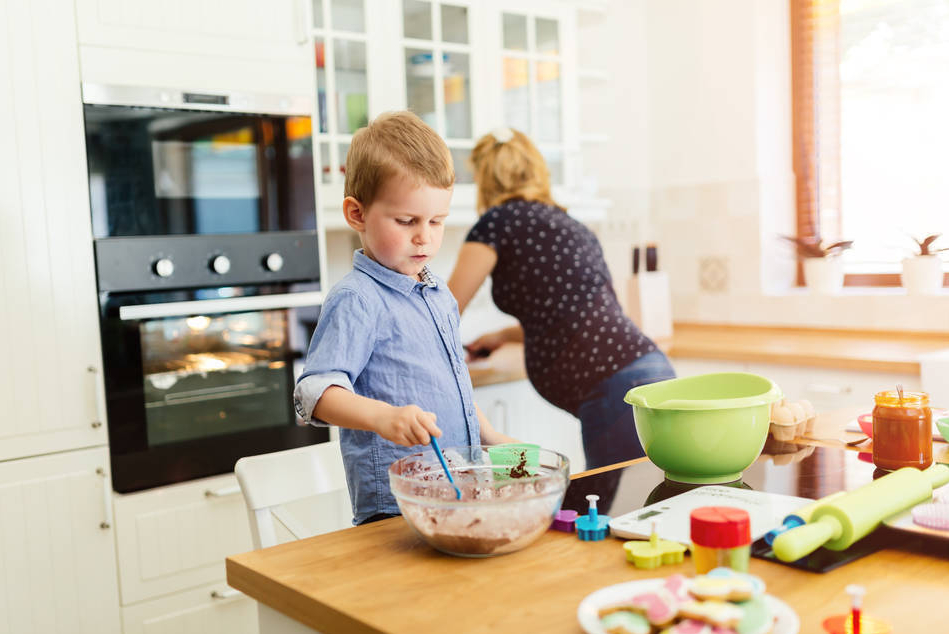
point(509, 496)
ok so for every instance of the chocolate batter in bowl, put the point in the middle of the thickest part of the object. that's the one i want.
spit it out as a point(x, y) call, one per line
point(508, 498)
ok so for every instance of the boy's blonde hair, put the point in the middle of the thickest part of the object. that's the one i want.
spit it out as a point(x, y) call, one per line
point(507, 165)
point(396, 143)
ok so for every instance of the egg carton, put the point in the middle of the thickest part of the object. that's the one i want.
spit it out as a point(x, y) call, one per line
point(791, 419)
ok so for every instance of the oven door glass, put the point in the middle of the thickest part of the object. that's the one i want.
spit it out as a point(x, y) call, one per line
point(211, 375)
point(156, 172)
point(189, 392)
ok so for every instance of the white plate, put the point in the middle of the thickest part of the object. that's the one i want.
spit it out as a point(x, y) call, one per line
point(786, 621)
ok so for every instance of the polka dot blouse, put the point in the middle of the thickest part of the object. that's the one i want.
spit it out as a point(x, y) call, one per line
point(552, 277)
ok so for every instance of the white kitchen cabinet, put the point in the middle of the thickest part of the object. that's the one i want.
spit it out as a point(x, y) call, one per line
point(826, 388)
point(829, 389)
point(57, 554)
point(199, 45)
point(516, 409)
point(50, 381)
point(210, 609)
point(465, 67)
point(172, 542)
point(177, 537)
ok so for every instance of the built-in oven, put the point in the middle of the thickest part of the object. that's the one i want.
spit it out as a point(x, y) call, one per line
point(208, 272)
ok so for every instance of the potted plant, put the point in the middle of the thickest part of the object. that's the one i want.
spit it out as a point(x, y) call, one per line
point(922, 273)
point(823, 268)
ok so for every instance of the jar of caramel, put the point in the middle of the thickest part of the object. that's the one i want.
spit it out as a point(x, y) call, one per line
point(902, 430)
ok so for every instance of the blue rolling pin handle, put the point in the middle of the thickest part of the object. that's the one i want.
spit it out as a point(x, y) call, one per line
point(791, 521)
point(441, 459)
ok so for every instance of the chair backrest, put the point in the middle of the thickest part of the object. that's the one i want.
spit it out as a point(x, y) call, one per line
point(269, 481)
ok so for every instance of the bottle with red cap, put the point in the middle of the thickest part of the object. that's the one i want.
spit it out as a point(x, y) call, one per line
point(721, 536)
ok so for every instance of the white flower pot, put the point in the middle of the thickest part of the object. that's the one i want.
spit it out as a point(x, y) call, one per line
point(824, 275)
point(922, 275)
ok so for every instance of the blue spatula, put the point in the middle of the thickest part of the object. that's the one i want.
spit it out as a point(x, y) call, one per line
point(441, 459)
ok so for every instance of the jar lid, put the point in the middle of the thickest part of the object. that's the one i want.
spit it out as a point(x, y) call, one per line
point(720, 527)
point(892, 398)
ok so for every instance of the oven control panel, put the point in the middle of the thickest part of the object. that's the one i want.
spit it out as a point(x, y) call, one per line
point(200, 261)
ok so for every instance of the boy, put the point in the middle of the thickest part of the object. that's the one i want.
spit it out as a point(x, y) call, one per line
point(386, 362)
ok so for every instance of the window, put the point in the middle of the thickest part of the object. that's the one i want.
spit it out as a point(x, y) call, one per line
point(871, 93)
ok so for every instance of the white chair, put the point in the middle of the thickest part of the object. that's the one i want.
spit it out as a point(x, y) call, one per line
point(271, 481)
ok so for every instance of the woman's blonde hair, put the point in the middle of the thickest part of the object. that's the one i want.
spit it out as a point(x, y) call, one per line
point(396, 143)
point(507, 165)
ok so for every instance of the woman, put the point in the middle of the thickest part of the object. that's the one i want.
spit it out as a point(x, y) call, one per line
point(582, 352)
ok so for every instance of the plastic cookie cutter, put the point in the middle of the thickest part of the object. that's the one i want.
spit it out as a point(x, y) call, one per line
point(564, 520)
point(593, 527)
point(654, 553)
point(856, 622)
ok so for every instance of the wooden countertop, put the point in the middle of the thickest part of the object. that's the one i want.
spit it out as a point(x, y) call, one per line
point(382, 577)
point(867, 350)
point(896, 352)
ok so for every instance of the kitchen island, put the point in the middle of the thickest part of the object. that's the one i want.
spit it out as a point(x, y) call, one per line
point(383, 578)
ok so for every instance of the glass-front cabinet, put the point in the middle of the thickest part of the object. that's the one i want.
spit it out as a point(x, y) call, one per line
point(532, 86)
point(342, 83)
point(436, 46)
point(464, 66)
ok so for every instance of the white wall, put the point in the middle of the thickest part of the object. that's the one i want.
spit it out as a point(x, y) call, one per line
point(720, 174)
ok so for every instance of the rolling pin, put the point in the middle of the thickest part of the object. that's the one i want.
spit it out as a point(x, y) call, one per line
point(838, 523)
point(799, 517)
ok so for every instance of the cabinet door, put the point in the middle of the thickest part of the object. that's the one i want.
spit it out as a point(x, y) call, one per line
point(829, 389)
point(516, 409)
point(57, 553)
point(212, 609)
point(177, 537)
point(537, 79)
point(50, 386)
point(202, 45)
point(274, 30)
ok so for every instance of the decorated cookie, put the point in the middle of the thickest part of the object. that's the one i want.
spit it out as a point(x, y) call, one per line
point(689, 626)
point(716, 613)
point(678, 586)
point(726, 584)
point(624, 622)
point(758, 617)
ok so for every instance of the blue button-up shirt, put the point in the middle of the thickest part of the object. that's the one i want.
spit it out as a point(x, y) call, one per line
point(387, 336)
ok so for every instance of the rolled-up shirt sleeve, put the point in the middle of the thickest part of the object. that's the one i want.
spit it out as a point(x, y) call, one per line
point(338, 353)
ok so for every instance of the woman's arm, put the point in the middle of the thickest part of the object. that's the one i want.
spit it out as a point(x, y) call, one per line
point(475, 262)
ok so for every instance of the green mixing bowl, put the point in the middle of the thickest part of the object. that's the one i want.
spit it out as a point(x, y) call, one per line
point(704, 429)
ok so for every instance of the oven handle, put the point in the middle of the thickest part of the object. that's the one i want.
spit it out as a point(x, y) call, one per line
point(226, 305)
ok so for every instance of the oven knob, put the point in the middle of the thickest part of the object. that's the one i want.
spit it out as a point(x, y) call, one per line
point(220, 264)
point(163, 267)
point(273, 262)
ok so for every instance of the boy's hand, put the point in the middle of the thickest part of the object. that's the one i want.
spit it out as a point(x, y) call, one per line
point(408, 426)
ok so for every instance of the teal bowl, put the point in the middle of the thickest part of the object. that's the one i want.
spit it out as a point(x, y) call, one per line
point(942, 424)
point(704, 429)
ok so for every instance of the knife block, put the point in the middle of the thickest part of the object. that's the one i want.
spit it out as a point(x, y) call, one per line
point(649, 303)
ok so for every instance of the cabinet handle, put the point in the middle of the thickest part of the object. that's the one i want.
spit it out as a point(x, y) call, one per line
point(223, 492)
point(230, 593)
point(299, 22)
point(827, 388)
point(106, 502)
point(100, 410)
point(500, 406)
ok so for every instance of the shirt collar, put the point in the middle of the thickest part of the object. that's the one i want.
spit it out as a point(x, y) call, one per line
point(390, 278)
